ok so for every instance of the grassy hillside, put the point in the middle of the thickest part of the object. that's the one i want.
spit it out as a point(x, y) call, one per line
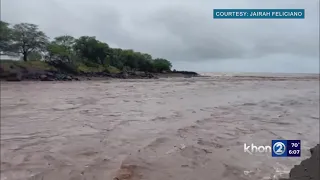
point(14, 70)
point(7, 66)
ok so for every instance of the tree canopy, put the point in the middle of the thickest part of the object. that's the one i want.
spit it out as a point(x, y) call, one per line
point(5, 38)
point(27, 40)
point(61, 48)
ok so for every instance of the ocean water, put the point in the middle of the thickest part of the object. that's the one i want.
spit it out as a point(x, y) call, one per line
point(173, 128)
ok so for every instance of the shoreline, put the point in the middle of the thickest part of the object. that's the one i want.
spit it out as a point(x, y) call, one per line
point(59, 71)
point(96, 76)
point(58, 76)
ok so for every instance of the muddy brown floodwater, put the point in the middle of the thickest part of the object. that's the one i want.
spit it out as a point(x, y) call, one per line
point(179, 129)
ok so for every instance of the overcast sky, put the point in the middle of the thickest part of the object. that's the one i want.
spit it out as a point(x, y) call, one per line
point(184, 32)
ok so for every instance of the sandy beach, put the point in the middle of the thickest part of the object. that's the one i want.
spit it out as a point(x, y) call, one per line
point(163, 129)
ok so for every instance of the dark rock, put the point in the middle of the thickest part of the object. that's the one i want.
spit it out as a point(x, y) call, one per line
point(125, 75)
point(63, 77)
point(308, 168)
point(14, 76)
point(34, 76)
point(149, 75)
point(68, 78)
point(77, 79)
point(189, 73)
point(44, 77)
point(59, 77)
point(50, 74)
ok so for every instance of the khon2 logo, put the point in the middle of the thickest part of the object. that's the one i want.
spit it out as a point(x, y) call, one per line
point(286, 148)
point(279, 148)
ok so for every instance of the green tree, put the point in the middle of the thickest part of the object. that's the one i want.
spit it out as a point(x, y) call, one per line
point(91, 49)
point(65, 40)
point(61, 49)
point(130, 59)
point(115, 58)
point(27, 38)
point(161, 65)
point(5, 38)
point(66, 51)
point(144, 61)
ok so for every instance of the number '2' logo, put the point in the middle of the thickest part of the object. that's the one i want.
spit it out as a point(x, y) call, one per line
point(279, 148)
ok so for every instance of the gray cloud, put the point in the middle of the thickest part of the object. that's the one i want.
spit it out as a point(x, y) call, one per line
point(184, 31)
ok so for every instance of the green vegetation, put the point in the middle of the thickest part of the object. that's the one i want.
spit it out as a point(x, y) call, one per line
point(6, 65)
point(83, 54)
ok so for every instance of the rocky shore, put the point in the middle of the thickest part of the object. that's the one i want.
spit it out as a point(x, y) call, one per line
point(309, 168)
point(60, 76)
point(58, 71)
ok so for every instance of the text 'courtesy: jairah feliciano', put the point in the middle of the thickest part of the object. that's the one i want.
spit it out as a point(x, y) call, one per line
point(258, 13)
